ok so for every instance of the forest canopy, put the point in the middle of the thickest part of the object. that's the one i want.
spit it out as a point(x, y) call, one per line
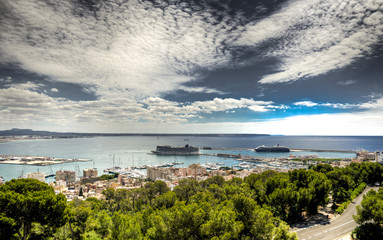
point(258, 207)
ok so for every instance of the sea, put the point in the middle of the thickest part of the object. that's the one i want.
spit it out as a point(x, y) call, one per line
point(127, 151)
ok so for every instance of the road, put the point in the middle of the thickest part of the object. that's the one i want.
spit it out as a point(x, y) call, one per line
point(336, 228)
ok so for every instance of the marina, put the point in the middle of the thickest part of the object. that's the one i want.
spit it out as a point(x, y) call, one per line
point(135, 152)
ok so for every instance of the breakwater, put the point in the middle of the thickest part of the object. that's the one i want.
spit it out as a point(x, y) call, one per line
point(36, 160)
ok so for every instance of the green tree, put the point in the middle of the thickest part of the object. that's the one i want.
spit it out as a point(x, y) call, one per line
point(282, 232)
point(127, 226)
point(152, 190)
point(222, 224)
point(368, 231)
point(166, 200)
point(323, 168)
point(117, 199)
point(77, 215)
point(24, 202)
point(186, 188)
point(100, 225)
point(371, 208)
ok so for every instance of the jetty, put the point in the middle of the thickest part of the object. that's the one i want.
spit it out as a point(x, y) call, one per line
point(321, 150)
point(37, 160)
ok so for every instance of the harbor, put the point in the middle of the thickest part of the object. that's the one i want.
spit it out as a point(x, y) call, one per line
point(136, 153)
point(37, 160)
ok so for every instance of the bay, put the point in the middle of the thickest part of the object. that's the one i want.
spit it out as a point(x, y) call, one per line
point(127, 151)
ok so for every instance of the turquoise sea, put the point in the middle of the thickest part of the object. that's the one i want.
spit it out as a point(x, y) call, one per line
point(135, 150)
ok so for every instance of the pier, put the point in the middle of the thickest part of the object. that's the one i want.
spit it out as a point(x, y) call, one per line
point(36, 161)
point(321, 150)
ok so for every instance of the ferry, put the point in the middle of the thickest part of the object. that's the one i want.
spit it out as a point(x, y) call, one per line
point(276, 148)
point(169, 150)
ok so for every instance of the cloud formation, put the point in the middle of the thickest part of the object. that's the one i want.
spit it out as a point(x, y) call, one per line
point(137, 47)
point(22, 105)
point(315, 37)
point(347, 82)
point(145, 48)
point(130, 54)
point(336, 105)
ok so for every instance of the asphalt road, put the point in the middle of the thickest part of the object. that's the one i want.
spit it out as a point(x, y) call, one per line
point(336, 228)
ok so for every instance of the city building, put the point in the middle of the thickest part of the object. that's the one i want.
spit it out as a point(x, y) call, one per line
point(379, 156)
point(68, 176)
point(171, 173)
point(37, 175)
point(90, 172)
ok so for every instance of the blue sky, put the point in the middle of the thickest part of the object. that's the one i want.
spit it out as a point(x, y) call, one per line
point(278, 67)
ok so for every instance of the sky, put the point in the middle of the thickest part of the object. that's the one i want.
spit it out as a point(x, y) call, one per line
point(292, 67)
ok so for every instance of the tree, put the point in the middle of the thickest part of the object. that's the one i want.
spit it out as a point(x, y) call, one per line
point(117, 199)
point(371, 208)
point(126, 226)
point(186, 188)
point(323, 168)
point(166, 200)
point(77, 215)
point(368, 231)
point(24, 202)
point(222, 224)
point(155, 189)
point(282, 232)
point(370, 216)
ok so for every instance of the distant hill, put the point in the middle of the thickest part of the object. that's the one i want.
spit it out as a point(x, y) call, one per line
point(30, 132)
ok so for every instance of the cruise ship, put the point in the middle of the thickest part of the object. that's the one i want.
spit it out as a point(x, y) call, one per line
point(276, 148)
point(169, 150)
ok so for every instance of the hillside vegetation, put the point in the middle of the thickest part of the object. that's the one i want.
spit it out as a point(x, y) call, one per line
point(258, 207)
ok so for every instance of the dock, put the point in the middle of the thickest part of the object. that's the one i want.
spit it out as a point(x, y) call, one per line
point(37, 160)
point(321, 150)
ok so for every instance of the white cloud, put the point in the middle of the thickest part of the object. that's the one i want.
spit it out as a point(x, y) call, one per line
point(132, 48)
point(201, 90)
point(344, 124)
point(306, 104)
point(130, 53)
point(347, 82)
point(331, 105)
point(21, 106)
point(364, 123)
point(6, 80)
point(26, 86)
point(316, 37)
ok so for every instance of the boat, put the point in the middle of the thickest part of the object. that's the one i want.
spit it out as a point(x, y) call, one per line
point(112, 169)
point(210, 166)
point(169, 150)
point(276, 148)
point(244, 165)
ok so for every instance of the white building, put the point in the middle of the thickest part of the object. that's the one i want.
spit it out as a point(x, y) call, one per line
point(378, 156)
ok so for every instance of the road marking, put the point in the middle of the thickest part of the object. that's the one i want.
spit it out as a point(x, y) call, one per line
point(300, 229)
point(316, 235)
point(341, 225)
